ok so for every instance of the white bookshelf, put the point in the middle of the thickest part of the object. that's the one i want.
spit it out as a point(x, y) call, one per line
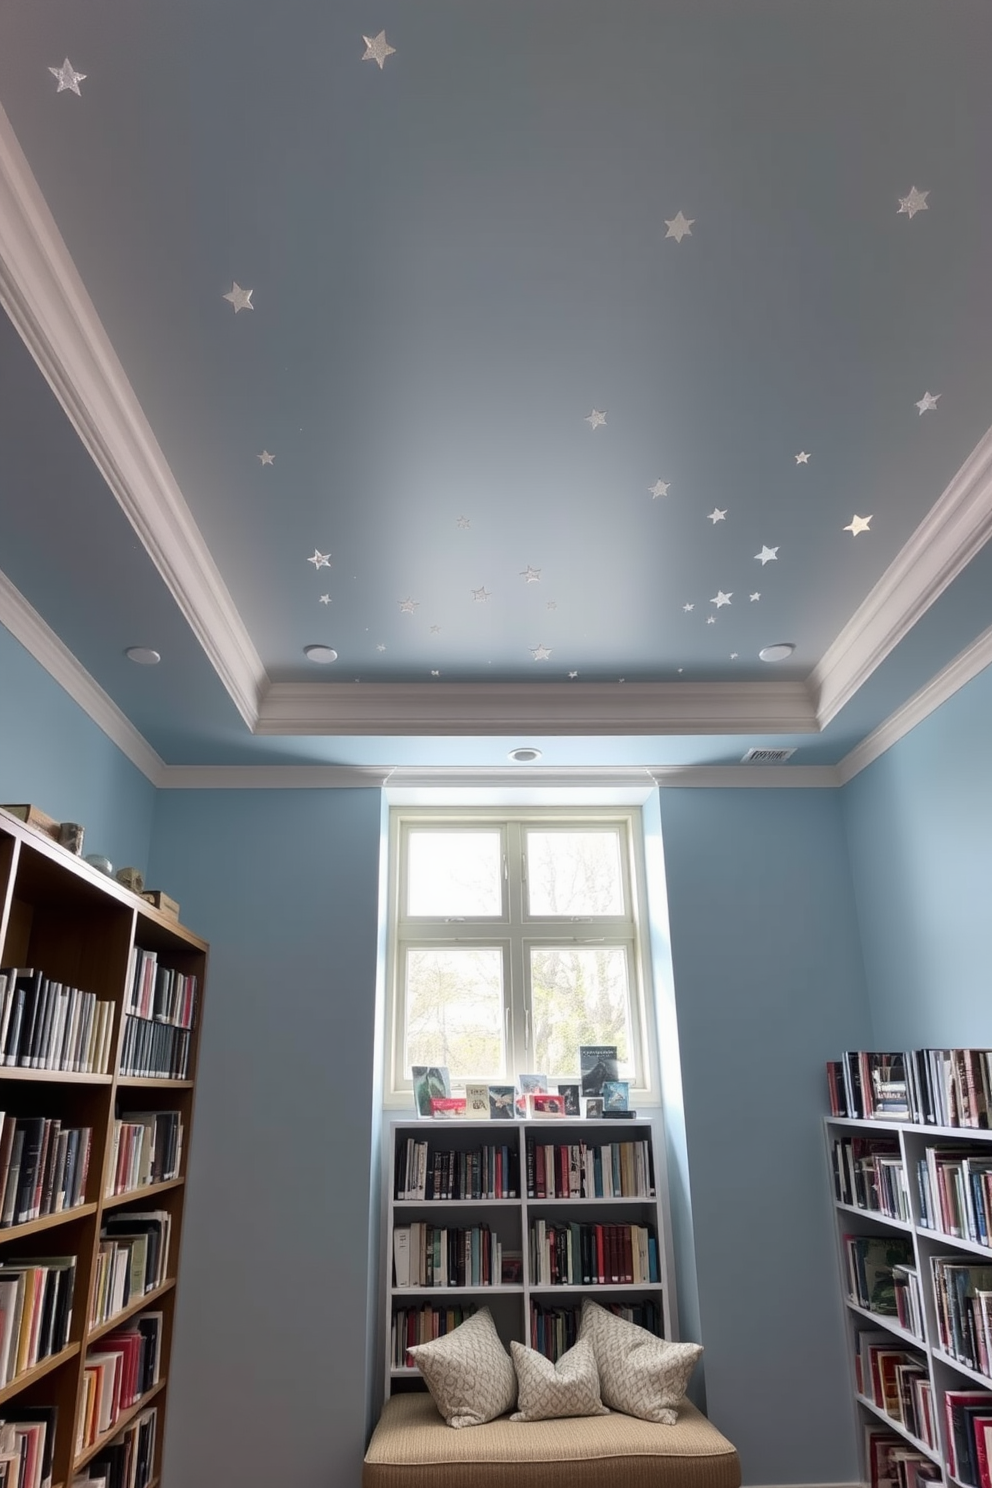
point(945, 1371)
point(511, 1220)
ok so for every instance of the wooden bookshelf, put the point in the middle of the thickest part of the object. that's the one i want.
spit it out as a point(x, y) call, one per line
point(512, 1220)
point(68, 921)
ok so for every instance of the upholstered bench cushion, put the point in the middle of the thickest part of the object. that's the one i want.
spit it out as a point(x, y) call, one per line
point(413, 1448)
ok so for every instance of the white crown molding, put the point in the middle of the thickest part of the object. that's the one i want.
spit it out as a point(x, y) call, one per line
point(556, 708)
point(37, 638)
point(738, 777)
point(273, 777)
point(966, 665)
point(47, 302)
point(952, 532)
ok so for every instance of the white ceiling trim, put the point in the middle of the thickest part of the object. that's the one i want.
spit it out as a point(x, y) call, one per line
point(949, 680)
point(47, 302)
point(27, 626)
point(432, 709)
point(944, 543)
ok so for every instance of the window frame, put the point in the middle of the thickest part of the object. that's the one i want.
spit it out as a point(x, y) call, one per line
point(517, 932)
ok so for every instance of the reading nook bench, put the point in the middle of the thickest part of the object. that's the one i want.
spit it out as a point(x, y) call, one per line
point(412, 1447)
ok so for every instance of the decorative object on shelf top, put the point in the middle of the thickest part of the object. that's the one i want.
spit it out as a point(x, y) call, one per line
point(131, 878)
point(928, 1087)
point(160, 900)
point(531, 1097)
point(33, 816)
point(102, 864)
point(71, 836)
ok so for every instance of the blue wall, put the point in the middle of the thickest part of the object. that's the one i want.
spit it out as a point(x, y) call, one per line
point(270, 1349)
point(919, 822)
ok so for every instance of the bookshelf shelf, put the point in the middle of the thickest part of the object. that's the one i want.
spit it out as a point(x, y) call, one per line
point(883, 1320)
point(974, 1375)
point(91, 972)
point(886, 1219)
point(898, 1427)
point(523, 1228)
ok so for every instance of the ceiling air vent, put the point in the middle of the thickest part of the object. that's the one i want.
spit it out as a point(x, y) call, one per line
point(766, 756)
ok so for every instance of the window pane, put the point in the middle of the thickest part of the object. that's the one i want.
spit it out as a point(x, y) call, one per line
point(454, 1010)
point(454, 873)
point(574, 873)
point(579, 996)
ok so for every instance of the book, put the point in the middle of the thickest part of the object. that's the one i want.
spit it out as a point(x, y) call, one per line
point(571, 1097)
point(594, 1107)
point(544, 1106)
point(477, 1102)
point(430, 1082)
point(615, 1096)
point(502, 1100)
point(597, 1064)
point(530, 1085)
point(447, 1107)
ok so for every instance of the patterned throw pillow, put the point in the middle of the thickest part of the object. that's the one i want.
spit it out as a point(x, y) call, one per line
point(638, 1374)
point(546, 1391)
point(468, 1372)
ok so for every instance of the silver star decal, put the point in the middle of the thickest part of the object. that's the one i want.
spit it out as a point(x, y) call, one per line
point(240, 298)
point(767, 555)
point(481, 595)
point(596, 419)
point(573, 675)
point(319, 559)
point(857, 524)
point(660, 488)
point(753, 597)
point(463, 522)
point(733, 655)
point(716, 515)
point(915, 202)
point(688, 607)
point(380, 647)
point(266, 458)
point(325, 599)
point(710, 619)
point(552, 604)
point(377, 49)
point(407, 606)
point(530, 575)
point(802, 458)
point(927, 402)
point(69, 78)
point(721, 599)
point(435, 630)
point(540, 653)
point(435, 673)
point(680, 227)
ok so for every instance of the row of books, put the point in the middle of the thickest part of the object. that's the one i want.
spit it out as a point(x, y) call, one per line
point(427, 1255)
point(554, 1330)
point(35, 1311)
point(146, 1147)
point(154, 1049)
point(955, 1192)
point(411, 1325)
point(128, 1461)
point(43, 1167)
point(116, 1373)
point(869, 1173)
point(46, 1025)
point(909, 1299)
point(968, 1414)
point(893, 1463)
point(132, 1259)
point(486, 1172)
point(871, 1260)
point(897, 1380)
point(27, 1445)
point(586, 1170)
point(933, 1087)
point(962, 1295)
point(159, 992)
point(574, 1254)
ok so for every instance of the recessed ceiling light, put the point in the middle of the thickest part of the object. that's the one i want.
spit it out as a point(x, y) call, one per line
point(778, 652)
point(524, 756)
point(320, 654)
point(143, 655)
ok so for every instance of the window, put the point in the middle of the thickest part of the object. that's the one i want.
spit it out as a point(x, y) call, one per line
point(515, 938)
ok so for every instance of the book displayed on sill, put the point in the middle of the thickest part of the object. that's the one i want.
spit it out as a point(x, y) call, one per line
point(43, 1167)
point(929, 1087)
point(430, 1082)
point(146, 1148)
point(36, 1297)
point(580, 1254)
point(597, 1065)
point(47, 1025)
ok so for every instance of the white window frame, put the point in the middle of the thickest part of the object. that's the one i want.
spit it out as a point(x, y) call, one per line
point(517, 932)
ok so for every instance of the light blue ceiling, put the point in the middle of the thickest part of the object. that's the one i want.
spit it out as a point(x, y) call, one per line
point(453, 260)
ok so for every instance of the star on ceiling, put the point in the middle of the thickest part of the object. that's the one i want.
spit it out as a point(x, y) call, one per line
point(596, 419)
point(680, 227)
point(858, 524)
point(767, 555)
point(240, 298)
point(380, 647)
point(716, 515)
point(927, 402)
point(435, 672)
point(573, 675)
point(734, 655)
point(319, 559)
point(69, 78)
point(540, 653)
point(531, 575)
point(710, 619)
point(803, 457)
point(463, 522)
point(721, 599)
point(435, 630)
point(660, 488)
point(915, 202)
point(753, 597)
point(377, 49)
point(407, 606)
point(552, 604)
point(688, 607)
point(481, 595)
point(325, 599)
point(266, 458)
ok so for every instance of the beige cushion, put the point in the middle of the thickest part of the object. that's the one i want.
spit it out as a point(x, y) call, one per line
point(639, 1374)
point(468, 1372)
point(546, 1391)
point(413, 1448)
